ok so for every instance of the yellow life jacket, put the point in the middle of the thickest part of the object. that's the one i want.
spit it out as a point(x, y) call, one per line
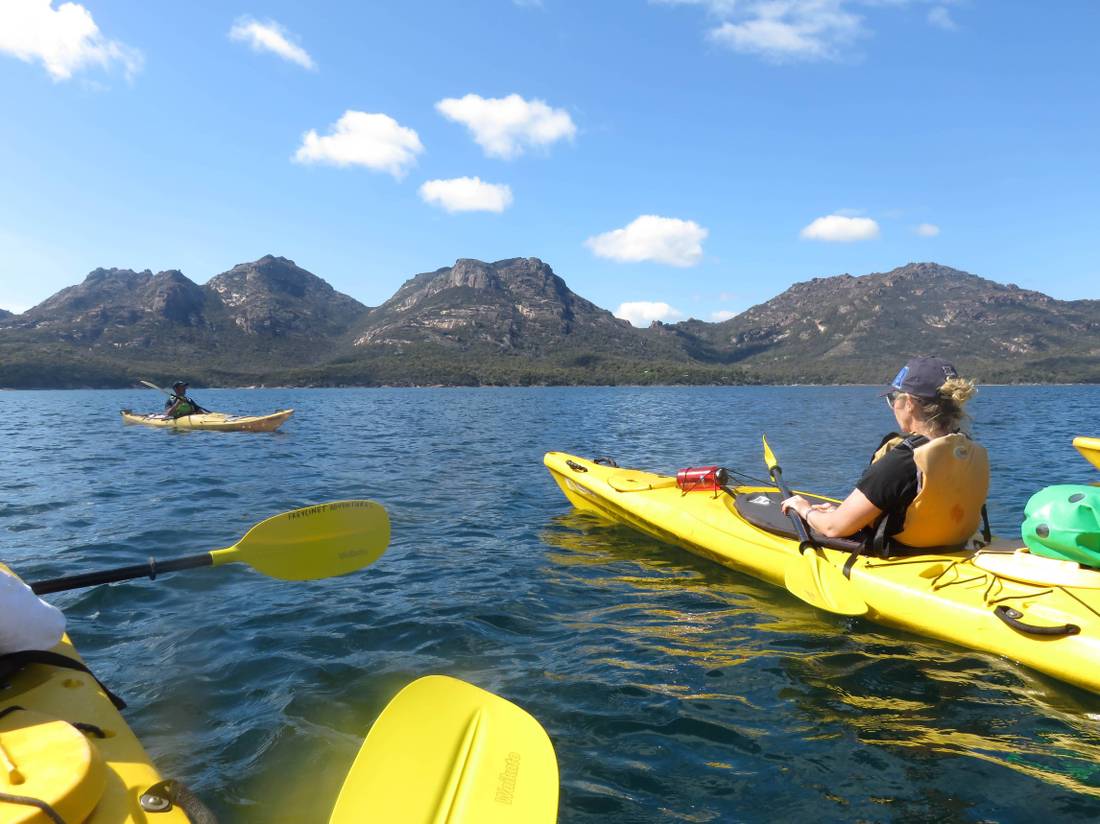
point(952, 484)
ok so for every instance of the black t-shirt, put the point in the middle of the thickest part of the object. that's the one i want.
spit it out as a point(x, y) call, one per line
point(890, 483)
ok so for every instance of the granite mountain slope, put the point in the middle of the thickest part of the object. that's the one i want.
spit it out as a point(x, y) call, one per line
point(118, 323)
point(514, 306)
point(515, 321)
point(847, 328)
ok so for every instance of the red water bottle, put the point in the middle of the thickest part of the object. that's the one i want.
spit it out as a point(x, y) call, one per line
point(702, 478)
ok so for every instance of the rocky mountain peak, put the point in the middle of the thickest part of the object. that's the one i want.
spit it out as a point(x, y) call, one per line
point(516, 303)
point(473, 274)
point(847, 323)
point(116, 308)
point(268, 275)
point(101, 276)
point(514, 275)
point(274, 296)
point(119, 296)
point(173, 296)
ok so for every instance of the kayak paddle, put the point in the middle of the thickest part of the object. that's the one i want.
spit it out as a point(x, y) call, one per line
point(446, 752)
point(159, 389)
point(1089, 449)
point(811, 577)
point(316, 542)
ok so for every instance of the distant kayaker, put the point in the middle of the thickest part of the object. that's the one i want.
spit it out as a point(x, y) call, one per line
point(179, 404)
point(926, 488)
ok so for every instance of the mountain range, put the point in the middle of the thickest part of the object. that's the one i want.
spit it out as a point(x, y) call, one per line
point(517, 322)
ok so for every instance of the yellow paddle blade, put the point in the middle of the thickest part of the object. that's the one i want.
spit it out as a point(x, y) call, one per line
point(446, 752)
point(316, 542)
point(1089, 449)
point(817, 582)
point(769, 456)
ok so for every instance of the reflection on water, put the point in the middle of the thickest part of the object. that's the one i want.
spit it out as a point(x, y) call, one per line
point(845, 680)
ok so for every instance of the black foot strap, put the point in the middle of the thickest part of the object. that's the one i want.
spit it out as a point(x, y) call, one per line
point(15, 661)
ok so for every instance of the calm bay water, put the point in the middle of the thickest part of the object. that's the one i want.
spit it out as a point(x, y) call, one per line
point(673, 689)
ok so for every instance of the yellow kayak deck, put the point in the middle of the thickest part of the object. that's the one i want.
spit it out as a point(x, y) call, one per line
point(942, 595)
point(216, 421)
point(94, 773)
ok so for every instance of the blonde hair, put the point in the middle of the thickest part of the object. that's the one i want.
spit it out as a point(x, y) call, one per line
point(946, 410)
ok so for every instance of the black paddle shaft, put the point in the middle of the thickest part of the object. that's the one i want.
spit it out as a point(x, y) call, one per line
point(147, 570)
point(799, 526)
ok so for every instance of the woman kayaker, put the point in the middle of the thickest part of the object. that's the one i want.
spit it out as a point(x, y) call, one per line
point(924, 489)
point(179, 404)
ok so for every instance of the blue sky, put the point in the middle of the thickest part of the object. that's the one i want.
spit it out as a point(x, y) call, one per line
point(691, 157)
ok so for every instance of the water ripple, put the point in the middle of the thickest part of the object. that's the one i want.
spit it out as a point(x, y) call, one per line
point(673, 689)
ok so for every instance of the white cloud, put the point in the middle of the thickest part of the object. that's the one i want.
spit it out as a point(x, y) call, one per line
point(376, 141)
point(941, 18)
point(467, 194)
point(65, 39)
point(505, 127)
point(644, 312)
point(927, 230)
point(788, 30)
point(722, 314)
point(652, 238)
point(269, 36)
point(784, 31)
point(841, 229)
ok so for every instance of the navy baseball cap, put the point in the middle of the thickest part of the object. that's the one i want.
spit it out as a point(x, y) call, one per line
point(922, 377)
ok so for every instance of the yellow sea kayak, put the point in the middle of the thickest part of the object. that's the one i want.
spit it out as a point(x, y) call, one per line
point(63, 744)
point(217, 421)
point(1090, 448)
point(997, 599)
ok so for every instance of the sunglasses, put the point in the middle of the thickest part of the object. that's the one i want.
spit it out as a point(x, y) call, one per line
point(891, 397)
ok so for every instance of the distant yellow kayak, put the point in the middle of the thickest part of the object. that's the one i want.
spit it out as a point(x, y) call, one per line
point(1090, 448)
point(217, 421)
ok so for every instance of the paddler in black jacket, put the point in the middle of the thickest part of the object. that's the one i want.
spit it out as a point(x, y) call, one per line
point(179, 404)
point(923, 489)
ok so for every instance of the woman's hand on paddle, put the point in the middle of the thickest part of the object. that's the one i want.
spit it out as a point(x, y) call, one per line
point(798, 504)
point(804, 507)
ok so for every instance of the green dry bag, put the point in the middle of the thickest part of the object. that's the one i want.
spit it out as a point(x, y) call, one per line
point(1063, 522)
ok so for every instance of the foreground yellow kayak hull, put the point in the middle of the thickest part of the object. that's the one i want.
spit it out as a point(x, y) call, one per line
point(216, 421)
point(96, 774)
point(942, 595)
point(1090, 449)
